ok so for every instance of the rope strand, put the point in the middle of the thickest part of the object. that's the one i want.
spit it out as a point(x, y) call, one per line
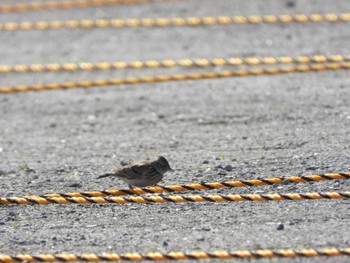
point(179, 77)
point(172, 198)
point(66, 4)
point(204, 186)
point(199, 255)
point(169, 63)
point(157, 22)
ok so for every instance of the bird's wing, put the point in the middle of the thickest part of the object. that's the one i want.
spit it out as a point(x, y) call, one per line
point(134, 171)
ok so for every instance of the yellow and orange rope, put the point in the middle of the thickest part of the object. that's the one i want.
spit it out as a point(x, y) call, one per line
point(169, 63)
point(199, 255)
point(167, 22)
point(172, 198)
point(178, 77)
point(67, 4)
point(206, 186)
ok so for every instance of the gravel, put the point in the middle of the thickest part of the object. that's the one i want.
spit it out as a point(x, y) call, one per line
point(254, 127)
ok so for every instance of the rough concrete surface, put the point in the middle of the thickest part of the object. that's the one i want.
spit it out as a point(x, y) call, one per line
point(59, 141)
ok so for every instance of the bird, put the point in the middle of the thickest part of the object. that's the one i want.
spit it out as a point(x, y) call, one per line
point(141, 174)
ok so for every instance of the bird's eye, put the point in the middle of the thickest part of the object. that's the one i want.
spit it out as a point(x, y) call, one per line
point(165, 164)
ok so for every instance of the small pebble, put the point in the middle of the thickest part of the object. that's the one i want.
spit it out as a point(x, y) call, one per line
point(311, 168)
point(91, 118)
point(228, 168)
point(205, 162)
point(276, 186)
point(12, 214)
point(123, 163)
point(280, 227)
point(286, 182)
point(290, 4)
point(76, 184)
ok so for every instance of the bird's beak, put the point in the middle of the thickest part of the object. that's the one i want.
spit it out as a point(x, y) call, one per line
point(171, 170)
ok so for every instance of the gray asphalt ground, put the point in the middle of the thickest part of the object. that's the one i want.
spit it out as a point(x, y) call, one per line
point(59, 141)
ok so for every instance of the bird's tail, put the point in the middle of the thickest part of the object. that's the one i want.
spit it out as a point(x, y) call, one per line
point(105, 175)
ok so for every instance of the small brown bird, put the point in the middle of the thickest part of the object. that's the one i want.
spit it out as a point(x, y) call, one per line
point(142, 174)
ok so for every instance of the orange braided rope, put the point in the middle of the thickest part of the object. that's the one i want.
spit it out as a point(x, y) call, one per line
point(199, 255)
point(66, 4)
point(166, 22)
point(171, 198)
point(205, 186)
point(169, 63)
point(178, 77)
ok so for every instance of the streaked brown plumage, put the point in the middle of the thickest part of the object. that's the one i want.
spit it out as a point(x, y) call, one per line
point(142, 174)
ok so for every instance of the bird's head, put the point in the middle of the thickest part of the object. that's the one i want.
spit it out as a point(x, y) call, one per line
point(164, 164)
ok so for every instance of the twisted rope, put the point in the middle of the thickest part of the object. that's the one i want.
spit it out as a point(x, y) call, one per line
point(204, 186)
point(65, 4)
point(169, 63)
point(150, 22)
point(171, 198)
point(157, 256)
point(179, 77)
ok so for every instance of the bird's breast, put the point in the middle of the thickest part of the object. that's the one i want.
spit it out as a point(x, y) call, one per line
point(143, 181)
